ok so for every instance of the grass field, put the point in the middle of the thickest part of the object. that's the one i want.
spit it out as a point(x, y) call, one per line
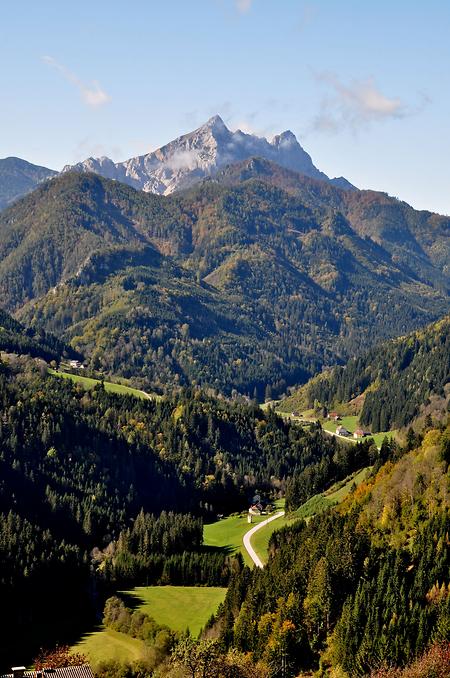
point(228, 534)
point(315, 505)
point(105, 645)
point(179, 607)
point(88, 383)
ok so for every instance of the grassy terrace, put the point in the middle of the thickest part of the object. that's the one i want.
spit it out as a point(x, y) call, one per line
point(178, 607)
point(89, 382)
point(106, 645)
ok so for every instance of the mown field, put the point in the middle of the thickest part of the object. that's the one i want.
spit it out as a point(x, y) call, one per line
point(350, 422)
point(178, 607)
point(89, 382)
point(107, 645)
point(229, 532)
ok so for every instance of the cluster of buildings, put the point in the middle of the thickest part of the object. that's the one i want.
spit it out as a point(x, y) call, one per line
point(342, 431)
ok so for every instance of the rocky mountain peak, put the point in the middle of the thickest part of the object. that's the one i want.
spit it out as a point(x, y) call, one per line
point(200, 154)
point(215, 123)
point(285, 138)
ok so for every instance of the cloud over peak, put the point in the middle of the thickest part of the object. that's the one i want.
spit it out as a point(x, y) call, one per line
point(91, 93)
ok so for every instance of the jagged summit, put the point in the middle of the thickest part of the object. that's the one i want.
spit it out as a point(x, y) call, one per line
point(199, 154)
point(215, 123)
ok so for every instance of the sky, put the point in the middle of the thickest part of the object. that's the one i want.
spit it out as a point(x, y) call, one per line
point(365, 86)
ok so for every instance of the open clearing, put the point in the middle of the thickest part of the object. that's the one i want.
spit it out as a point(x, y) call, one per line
point(179, 607)
point(106, 644)
point(351, 423)
point(89, 382)
point(228, 534)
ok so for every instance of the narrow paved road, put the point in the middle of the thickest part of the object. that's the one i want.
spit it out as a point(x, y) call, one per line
point(248, 535)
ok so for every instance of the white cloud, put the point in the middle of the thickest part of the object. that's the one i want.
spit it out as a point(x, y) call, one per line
point(92, 94)
point(187, 159)
point(246, 127)
point(355, 104)
point(243, 6)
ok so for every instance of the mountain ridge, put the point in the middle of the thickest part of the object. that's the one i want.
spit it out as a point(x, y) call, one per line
point(18, 177)
point(198, 154)
point(234, 286)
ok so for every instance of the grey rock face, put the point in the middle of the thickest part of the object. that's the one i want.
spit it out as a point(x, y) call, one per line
point(199, 154)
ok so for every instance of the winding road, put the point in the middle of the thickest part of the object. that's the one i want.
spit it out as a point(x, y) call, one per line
point(248, 535)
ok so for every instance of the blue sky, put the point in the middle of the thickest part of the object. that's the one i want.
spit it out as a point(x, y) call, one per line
point(365, 86)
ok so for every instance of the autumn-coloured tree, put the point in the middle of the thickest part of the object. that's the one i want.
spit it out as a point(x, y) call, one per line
point(435, 663)
point(58, 658)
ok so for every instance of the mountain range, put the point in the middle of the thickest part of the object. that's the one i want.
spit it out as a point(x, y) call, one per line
point(256, 276)
point(177, 165)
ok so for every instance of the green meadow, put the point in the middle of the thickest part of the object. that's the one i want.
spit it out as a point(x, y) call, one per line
point(178, 607)
point(351, 423)
point(89, 382)
point(229, 532)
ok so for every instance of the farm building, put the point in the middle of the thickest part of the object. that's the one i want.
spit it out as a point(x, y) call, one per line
point(334, 416)
point(359, 433)
point(75, 364)
point(342, 431)
point(256, 509)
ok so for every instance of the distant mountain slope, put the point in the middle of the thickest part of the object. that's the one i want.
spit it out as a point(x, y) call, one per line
point(398, 380)
point(18, 177)
point(235, 286)
point(199, 154)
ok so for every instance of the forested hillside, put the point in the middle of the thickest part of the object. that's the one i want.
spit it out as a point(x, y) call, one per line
point(241, 286)
point(397, 380)
point(363, 586)
point(416, 240)
point(86, 475)
point(15, 338)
